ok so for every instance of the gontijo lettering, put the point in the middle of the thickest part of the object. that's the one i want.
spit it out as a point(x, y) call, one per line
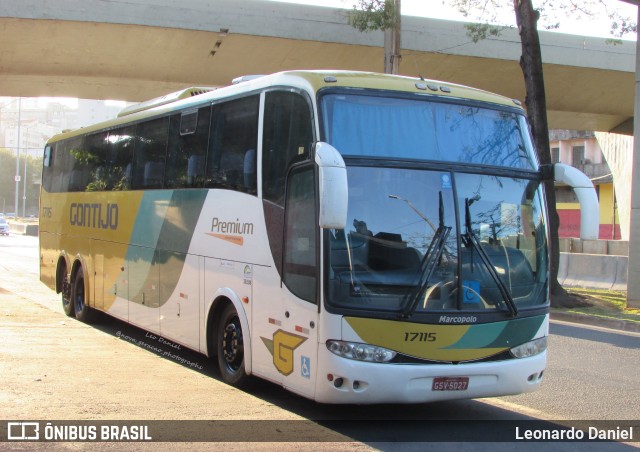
point(94, 215)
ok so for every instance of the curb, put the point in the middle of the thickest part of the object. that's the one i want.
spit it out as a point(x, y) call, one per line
point(615, 324)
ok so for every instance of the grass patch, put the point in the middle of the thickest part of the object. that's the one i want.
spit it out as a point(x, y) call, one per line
point(605, 303)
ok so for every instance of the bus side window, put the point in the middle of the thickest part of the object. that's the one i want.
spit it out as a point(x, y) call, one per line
point(59, 163)
point(47, 167)
point(233, 142)
point(287, 138)
point(150, 154)
point(66, 161)
point(54, 171)
point(118, 166)
point(96, 147)
point(188, 138)
point(301, 226)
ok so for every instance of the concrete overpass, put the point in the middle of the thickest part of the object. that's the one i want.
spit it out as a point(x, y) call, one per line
point(139, 49)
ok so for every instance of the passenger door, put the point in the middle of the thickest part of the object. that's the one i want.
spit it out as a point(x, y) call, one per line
point(297, 342)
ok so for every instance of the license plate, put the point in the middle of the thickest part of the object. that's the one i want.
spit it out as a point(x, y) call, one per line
point(450, 384)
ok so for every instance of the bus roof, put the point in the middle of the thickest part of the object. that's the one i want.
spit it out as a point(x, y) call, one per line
point(312, 81)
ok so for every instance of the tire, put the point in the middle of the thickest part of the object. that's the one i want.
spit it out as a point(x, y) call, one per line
point(230, 348)
point(82, 312)
point(67, 305)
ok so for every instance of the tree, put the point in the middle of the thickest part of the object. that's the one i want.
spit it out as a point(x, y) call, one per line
point(385, 15)
point(7, 185)
point(536, 103)
point(527, 17)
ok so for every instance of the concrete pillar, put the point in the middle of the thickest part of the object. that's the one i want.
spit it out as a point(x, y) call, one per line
point(633, 276)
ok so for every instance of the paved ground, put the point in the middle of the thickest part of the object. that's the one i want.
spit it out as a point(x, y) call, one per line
point(53, 367)
point(62, 369)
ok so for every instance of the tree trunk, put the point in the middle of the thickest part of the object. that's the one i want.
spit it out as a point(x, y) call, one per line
point(392, 55)
point(535, 101)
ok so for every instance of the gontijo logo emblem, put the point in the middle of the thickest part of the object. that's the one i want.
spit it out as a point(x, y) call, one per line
point(230, 231)
point(281, 348)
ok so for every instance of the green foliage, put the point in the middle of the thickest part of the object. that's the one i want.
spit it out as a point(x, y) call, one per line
point(84, 157)
point(8, 185)
point(479, 31)
point(371, 15)
point(485, 12)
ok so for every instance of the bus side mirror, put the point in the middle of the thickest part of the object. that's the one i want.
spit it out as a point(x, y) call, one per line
point(332, 187)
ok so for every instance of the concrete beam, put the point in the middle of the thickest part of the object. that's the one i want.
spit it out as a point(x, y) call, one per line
point(140, 49)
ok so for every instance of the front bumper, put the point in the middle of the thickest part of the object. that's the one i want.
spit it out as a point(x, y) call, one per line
point(343, 380)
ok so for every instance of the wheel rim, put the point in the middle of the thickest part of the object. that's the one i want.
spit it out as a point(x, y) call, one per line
point(232, 345)
point(78, 294)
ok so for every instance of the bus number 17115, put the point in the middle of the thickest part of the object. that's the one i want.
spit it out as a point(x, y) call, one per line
point(419, 337)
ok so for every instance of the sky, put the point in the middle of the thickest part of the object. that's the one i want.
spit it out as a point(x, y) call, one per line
point(438, 10)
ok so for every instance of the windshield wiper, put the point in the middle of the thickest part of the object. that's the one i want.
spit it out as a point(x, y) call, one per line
point(470, 240)
point(428, 263)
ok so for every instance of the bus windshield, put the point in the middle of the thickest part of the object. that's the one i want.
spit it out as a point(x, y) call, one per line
point(422, 237)
point(403, 128)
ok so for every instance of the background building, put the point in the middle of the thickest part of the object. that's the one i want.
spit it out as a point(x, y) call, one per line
point(25, 126)
point(582, 150)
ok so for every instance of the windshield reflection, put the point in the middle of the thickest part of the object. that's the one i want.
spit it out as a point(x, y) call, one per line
point(405, 248)
point(418, 128)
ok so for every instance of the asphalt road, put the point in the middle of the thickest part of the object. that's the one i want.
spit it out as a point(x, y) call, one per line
point(53, 367)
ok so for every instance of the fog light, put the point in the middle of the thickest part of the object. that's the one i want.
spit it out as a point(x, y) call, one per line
point(338, 382)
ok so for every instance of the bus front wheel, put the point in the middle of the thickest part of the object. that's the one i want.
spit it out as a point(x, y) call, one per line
point(230, 347)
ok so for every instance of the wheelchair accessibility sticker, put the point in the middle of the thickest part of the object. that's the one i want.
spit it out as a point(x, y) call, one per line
point(305, 367)
point(471, 292)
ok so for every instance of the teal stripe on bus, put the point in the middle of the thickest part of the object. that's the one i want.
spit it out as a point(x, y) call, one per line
point(164, 227)
point(500, 334)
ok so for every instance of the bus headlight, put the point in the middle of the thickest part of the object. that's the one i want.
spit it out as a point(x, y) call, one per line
point(361, 352)
point(531, 348)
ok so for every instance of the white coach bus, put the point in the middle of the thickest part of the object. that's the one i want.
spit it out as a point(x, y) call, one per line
point(353, 237)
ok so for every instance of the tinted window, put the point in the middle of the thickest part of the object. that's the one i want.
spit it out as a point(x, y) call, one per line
point(63, 163)
point(188, 138)
point(150, 154)
point(110, 157)
point(122, 144)
point(96, 150)
point(231, 163)
point(300, 268)
point(287, 138)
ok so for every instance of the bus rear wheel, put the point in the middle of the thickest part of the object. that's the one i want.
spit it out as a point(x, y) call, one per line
point(67, 304)
point(82, 312)
point(230, 347)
